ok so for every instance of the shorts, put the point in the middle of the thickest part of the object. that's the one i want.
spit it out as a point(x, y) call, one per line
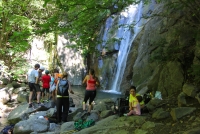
point(34, 87)
point(45, 89)
point(31, 86)
point(37, 87)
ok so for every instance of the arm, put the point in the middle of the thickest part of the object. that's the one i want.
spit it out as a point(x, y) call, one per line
point(57, 84)
point(97, 81)
point(36, 77)
point(42, 78)
point(70, 90)
point(130, 106)
point(85, 79)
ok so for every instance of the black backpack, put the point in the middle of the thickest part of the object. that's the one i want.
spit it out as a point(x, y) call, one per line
point(122, 105)
point(147, 97)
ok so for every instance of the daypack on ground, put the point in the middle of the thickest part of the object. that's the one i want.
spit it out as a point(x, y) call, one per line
point(80, 124)
point(8, 129)
point(122, 105)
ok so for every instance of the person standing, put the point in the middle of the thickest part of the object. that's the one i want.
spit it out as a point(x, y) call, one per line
point(63, 88)
point(46, 79)
point(56, 78)
point(52, 85)
point(38, 85)
point(32, 78)
point(92, 82)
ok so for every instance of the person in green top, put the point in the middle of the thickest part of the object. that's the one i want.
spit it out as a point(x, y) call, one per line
point(133, 95)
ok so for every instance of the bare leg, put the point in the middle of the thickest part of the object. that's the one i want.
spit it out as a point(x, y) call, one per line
point(47, 95)
point(30, 97)
point(90, 108)
point(54, 95)
point(84, 106)
point(42, 95)
point(38, 97)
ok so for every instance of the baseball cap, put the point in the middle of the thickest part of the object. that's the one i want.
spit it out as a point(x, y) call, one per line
point(46, 71)
point(42, 68)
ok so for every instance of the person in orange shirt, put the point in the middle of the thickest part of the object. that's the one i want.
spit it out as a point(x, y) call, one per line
point(56, 78)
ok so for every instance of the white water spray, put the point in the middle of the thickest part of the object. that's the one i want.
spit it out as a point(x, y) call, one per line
point(130, 17)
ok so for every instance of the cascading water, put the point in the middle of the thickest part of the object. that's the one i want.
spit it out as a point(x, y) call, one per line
point(129, 28)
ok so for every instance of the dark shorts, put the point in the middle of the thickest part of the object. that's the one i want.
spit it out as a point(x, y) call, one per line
point(45, 89)
point(34, 87)
point(89, 95)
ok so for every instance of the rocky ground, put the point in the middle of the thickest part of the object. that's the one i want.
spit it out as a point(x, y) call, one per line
point(187, 120)
point(146, 124)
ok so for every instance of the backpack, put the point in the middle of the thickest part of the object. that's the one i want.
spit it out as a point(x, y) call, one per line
point(147, 97)
point(63, 87)
point(122, 105)
point(8, 129)
point(81, 124)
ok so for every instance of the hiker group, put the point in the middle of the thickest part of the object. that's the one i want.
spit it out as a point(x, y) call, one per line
point(56, 87)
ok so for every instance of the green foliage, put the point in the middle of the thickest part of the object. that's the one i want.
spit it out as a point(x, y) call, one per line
point(20, 22)
point(82, 20)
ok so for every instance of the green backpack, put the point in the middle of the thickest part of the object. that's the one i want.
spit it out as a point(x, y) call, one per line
point(80, 124)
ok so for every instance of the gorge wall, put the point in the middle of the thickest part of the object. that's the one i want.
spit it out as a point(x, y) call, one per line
point(162, 56)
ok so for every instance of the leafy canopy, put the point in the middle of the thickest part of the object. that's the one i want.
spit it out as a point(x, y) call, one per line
point(82, 20)
point(20, 21)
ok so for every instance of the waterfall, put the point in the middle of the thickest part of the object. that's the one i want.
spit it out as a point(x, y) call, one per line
point(129, 28)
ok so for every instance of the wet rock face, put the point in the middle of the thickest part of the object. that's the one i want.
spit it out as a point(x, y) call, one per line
point(71, 60)
point(154, 62)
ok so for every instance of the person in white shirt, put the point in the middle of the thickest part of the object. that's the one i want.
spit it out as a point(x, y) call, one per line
point(33, 79)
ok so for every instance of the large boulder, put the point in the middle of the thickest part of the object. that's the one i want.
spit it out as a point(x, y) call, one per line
point(23, 96)
point(15, 84)
point(177, 113)
point(4, 96)
point(18, 113)
point(31, 125)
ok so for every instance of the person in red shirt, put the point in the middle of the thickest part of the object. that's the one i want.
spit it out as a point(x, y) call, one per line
point(46, 79)
point(90, 93)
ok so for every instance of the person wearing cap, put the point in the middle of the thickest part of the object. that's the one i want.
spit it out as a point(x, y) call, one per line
point(32, 78)
point(46, 79)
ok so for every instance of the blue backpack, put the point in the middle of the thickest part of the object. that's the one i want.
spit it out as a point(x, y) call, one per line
point(8, 129)
point(63, 87)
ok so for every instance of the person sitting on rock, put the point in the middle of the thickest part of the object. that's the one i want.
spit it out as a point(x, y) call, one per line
point(134, 94)
point(134, 104)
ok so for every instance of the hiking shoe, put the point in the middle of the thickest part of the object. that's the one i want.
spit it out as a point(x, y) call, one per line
point(88, 113)
point(40, 104)
point(30, 105)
